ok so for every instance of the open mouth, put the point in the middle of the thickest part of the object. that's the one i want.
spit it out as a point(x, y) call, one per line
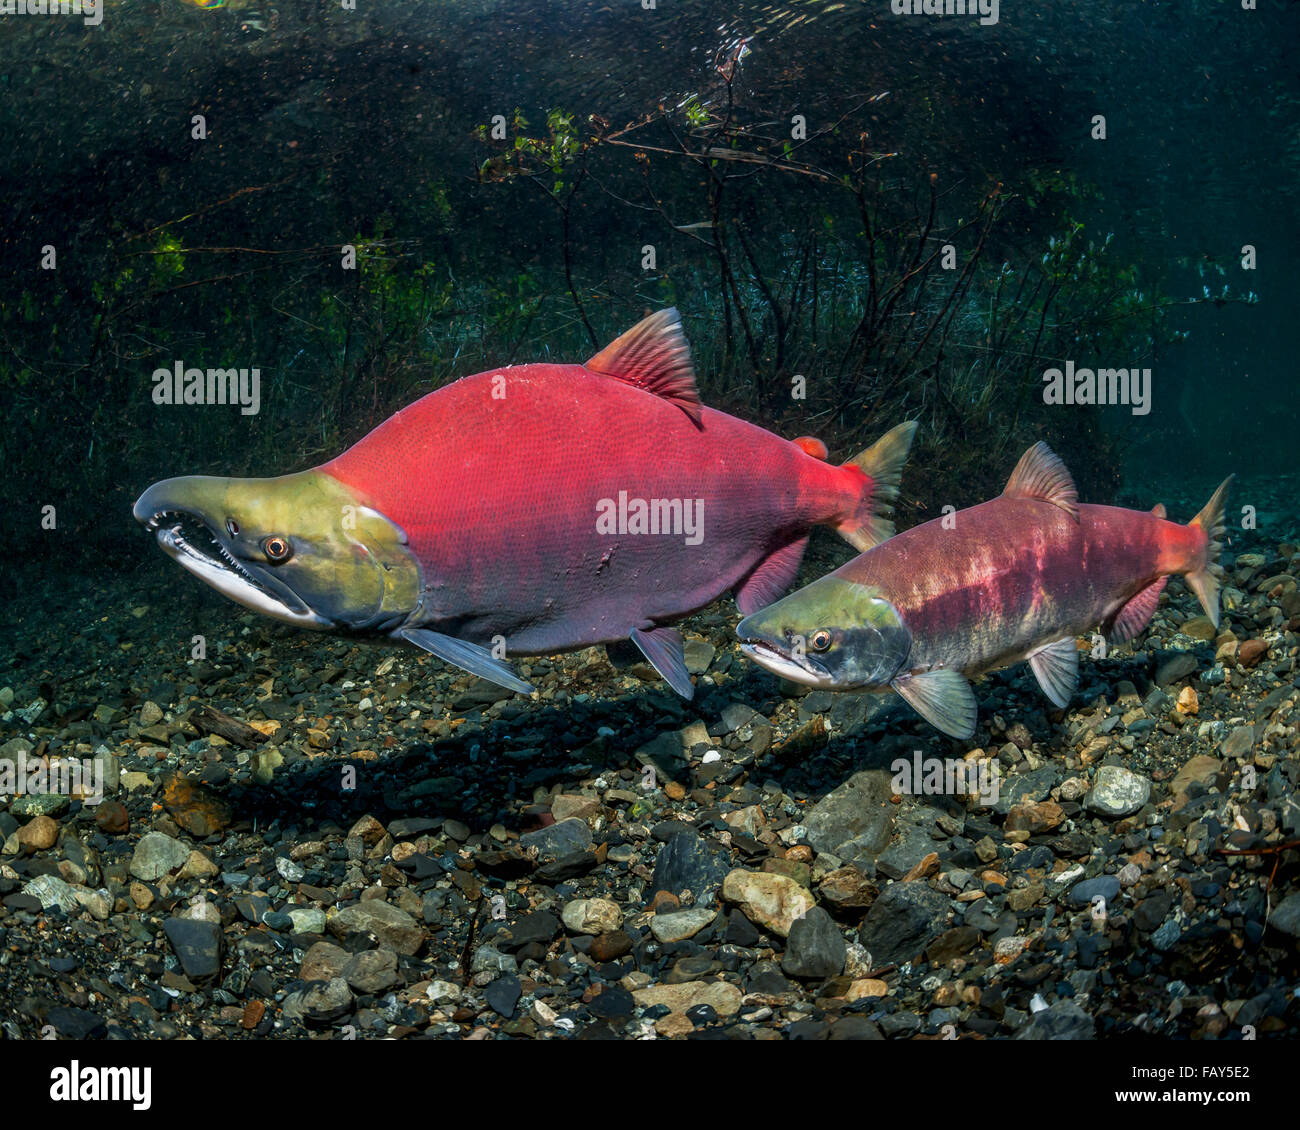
point(196, 546)
point(779, 663)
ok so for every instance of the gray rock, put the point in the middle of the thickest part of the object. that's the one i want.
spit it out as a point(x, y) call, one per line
point(319, 1003)
point(911, 846)
point(489, 959)
point(558, 840)
point(1063, 1020)
point(388, 923)
point(323, 962)
point(1107, 886)
point(1022, 787)
point(288, 870)
point(371, 971)
point(1117, 791)
point(53, 891)
point(156, 855)
point(502, 995)
point(306, 919)
point(678, 925)
point(1166, 937)
point(1177, 666)
point(815, 948)
point(699, 655)
point(903, 921)
point(1286, 915)
point(197, 945)
point(1238, 741)
point(39, 804)
point(858, 810)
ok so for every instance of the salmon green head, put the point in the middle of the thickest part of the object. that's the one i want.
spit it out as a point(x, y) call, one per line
point(834, 634)
point(300, 548)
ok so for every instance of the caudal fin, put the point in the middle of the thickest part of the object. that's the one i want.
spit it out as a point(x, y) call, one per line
point(1204, 581)
point(883, 463)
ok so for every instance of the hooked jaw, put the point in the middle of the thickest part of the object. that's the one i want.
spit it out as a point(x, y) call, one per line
point(174, 511)
point(832, 635)
point(786, 661)
point(300, 548)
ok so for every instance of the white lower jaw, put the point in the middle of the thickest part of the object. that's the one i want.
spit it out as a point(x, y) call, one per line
point(231, 584)
point(786, 668)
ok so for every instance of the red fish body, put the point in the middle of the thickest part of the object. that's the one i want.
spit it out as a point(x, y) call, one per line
point(499, 498)
point(987, 592)
point(1019, 577)
point(535, 509)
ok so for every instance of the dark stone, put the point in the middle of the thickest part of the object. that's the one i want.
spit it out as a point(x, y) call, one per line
point(408, 827)
point(1062, 1020)
point(557, 841)
point(541, 927)
point(76, 1024)
point(504, 864)
point(502, 995)
point(1171, 667)
point(420, 866)
point(611, 946)
point(1107, 886)
point(665, 830)
point(766, 977)
point(903, 921)
point(615, 1003)
point(912, 845)
point(688, 863)
point(854, 1027)
point(1031, 786)
point(197, 945)
point(252, 907)
point(900, 1023)
point(809, 1030)
point(815, 948)
point(570, 866)
point(741, 931)
point(1151, 911)
point(957, 942)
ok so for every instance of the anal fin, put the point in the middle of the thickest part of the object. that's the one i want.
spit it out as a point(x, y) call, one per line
point(1056, 667)
point(663, 647)
point(1137, 613)
point(468, 656)
point(770, 578)
point(943, 698)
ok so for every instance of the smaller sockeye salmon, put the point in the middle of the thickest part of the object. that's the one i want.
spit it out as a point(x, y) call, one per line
point(1016, 578)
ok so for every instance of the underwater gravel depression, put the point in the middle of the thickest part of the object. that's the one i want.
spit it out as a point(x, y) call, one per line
point(688, 528)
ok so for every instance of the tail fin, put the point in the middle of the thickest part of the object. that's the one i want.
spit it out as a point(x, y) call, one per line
point(1204, 581)
point(883, 463)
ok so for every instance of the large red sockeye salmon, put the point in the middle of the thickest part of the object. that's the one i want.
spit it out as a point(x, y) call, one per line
point(1016, 578)
point(531, 510)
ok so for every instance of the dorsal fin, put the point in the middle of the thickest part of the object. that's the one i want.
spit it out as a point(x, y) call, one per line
point(1159, 510)
point(1041, 474)
point(653, 355)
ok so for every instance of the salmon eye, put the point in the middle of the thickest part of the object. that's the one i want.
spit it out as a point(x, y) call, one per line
point(232, 527)
point(277, 549)
point(820, 640)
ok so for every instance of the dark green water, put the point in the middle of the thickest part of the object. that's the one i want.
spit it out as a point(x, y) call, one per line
point(326, 127)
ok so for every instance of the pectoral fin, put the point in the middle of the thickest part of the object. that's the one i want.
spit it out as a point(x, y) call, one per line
point(943, 698)
point(1137, 613)
point(1056, 667)
point(663, 647)
point(468, 656)
point(769, 581)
